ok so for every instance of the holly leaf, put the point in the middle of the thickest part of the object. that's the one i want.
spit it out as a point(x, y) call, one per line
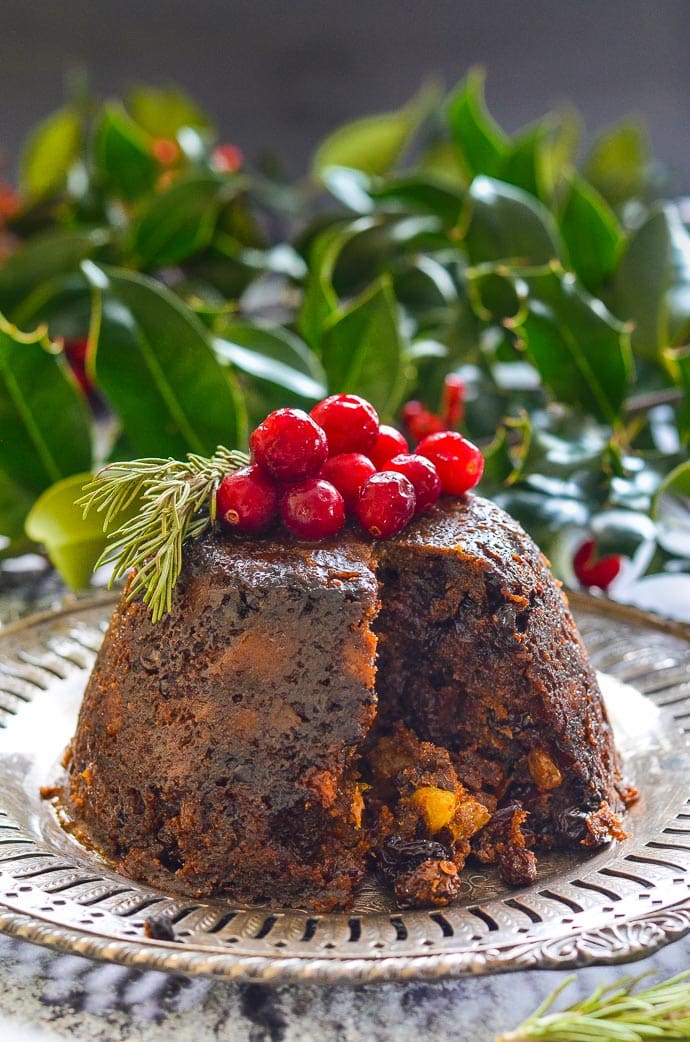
point(592, 234)
point(671, 511)
point(320, 298)
point(618, 162)
point(581, 351)
point(362, 349)
point(44, 257)
point(49, 153)
point(163, 111)
point(44, 422)
point(508, 224)
point(155, 363)
point(375, 143)
point(180, 221)
point(281, 370)
point(652, 283)
point(123, 154)
point(482, 144)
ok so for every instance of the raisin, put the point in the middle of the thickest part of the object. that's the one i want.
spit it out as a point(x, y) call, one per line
point(400, 855)
point(432, 883)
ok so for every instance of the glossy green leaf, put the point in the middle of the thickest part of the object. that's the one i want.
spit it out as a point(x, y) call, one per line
point(420, 195)
point(320, 298)
point(44, 257)
point(62, 303)
point(163, 111)
point(362, 350)
point(617, 164)
point(507, 224)
point(652, 283)
point(155, 363)
point(283, 371)
point(49, 153)
point(44, 424)
point(374, 144)
point(73, 543)
point(180, 221)
point(482, 144)
point(581, 351)
point(522, 163)
point(592, 234)
point(123, 154)
point(679, 363)
point(494, 295)
point(671, 511)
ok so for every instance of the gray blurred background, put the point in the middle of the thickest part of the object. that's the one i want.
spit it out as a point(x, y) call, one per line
point(281, 73)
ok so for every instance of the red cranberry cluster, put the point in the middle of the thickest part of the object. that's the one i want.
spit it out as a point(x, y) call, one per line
point(316, 470)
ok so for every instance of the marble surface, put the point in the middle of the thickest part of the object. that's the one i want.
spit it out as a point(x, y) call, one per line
point(50, 996)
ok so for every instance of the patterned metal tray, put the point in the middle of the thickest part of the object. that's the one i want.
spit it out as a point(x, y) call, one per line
point(612, 905)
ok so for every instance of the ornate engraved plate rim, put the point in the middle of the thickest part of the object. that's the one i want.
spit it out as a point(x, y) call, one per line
point(618, 905)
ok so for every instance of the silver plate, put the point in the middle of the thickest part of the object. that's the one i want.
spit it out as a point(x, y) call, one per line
point(612, 905)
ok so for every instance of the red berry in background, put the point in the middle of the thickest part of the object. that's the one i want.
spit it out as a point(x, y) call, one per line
point(459, 463)
point(289, 445)
point(75, 353)
point(386, 504)
point(351, 423)
point(248, 500)
point(313, 509)
point(347, 472)
point(592, 571)
point(166, 151)
point(10, 202)
point(389, 442)
point(420, 421)
point(227, 159)
point(453, 401)
point(423, 475)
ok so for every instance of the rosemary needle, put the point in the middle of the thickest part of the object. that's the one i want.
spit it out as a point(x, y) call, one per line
point(177, 502)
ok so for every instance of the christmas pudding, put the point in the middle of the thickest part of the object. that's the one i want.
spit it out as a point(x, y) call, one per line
point(327, 697)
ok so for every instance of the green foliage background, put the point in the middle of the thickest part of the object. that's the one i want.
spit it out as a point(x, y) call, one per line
point(423, 242)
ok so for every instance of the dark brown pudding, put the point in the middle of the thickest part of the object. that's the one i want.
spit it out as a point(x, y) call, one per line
point(305, 706)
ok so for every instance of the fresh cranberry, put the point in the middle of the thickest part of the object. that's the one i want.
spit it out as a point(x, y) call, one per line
point(248, 499)
point(347, 472)
point(453, 404)
point(351, 423)
point(289, 445)
point(459, 463)
point(593, 571)
point(423, 475)
point(386, 504)
point(227, 159)
point(313, 509)
point(389, 442)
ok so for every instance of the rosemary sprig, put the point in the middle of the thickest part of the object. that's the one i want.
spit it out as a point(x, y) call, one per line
point(614, 1013)
point(177, 502)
